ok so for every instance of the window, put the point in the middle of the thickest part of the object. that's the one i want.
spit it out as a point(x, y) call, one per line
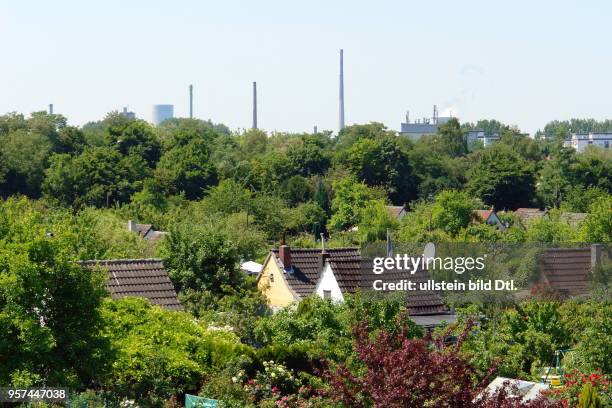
point(606, 144)
point(327, 294)
point(271, 277)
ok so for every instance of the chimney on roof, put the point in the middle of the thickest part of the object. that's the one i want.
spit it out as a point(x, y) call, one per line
point(131, 226)
point(284, 254)
point(596, 250)
point(324, 255)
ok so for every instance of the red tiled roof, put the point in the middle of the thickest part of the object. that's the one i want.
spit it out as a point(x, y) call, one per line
point(567, 270)
point(146, 278)
point(483, 214)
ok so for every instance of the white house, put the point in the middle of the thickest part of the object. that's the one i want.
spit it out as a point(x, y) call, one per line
point(580, 141)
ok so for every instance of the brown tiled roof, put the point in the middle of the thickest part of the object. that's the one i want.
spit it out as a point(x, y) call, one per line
point(528, 214)
point(306, 267)
point(567, 270)
point(347, 273)
point(420, 302)
point(395, 210)
point(146, 278)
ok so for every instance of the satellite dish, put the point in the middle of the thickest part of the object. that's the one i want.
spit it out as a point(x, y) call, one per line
point(429, 252)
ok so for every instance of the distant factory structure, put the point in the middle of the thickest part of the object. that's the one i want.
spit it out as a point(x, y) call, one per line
point(423, 127)
point(341, 93)
point(162, 113)
point(128, 114)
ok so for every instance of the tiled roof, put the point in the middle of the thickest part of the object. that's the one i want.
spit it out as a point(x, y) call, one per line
point(395, 210)
point(483, 214)
point(420, 302)
point(347, 273)
point(142, 229)
point(306, 266)
point(567, 270)
point(528, 214)
point(353, 272)
point(146, 278)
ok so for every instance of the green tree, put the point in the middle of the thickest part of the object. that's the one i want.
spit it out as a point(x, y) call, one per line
point(201, 257)
point(308, 159)
point(25, 155)
point(452, 138)
point(452, 211)
point(100, 176)
point(597, 227)
point(380, 162)
point(350, 196)
point(138, 139)
point(186, 168)
point(501, 178)
point(161, 353)
point(594, 168)
point(49, 306)
point(375, 221)
point(556, 177)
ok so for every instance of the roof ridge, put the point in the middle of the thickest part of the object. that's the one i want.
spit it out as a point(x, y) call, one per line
point(123, 260)
point(319, 249)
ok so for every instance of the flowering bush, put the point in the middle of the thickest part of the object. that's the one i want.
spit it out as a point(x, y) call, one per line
point(274, 379)
point(573, 383)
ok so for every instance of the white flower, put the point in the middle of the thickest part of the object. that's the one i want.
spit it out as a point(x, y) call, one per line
point(234, 380)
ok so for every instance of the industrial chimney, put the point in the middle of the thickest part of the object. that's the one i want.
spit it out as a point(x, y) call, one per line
point(190, 101)
point(254, 105)
point(341, 124)
point(50, 109)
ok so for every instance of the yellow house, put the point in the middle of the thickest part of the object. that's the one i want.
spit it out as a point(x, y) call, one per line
point(289, 275)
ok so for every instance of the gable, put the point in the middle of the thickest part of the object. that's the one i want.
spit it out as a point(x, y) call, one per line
point(328, 282)
point(272, 284)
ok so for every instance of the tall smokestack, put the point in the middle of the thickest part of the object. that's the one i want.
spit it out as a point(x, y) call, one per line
point(254, 105)
point(190, 101)
point(50, 109)
point(341, 124)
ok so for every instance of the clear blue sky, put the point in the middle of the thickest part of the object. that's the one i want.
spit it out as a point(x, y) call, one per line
point(522, 62)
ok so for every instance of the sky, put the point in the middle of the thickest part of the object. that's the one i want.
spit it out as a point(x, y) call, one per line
point(524, 63)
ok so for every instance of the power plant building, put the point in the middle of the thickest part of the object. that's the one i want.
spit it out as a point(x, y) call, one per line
point(422, 127)
point(162, 113)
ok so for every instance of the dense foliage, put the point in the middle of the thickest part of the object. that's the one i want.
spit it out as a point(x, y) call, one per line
point(66, 194)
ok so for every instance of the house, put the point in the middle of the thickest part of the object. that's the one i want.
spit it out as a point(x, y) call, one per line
point(488, 216)
point(289, 275)
point(527, 215)
point(486, 139)
point(397, 212)
point(145, 231)
point(145, 278)
point(569, 270)
point(580, 141)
